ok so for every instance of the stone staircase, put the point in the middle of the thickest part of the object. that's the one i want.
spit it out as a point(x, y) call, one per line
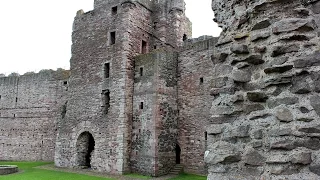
point(177, 170)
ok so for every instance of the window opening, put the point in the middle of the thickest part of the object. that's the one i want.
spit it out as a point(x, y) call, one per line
point(107, 70)
point(112, 38)
point(141, 105)
point(141, 71)
point(143, 47)
point(114, 10)
point(201, 80)
point(185, 37)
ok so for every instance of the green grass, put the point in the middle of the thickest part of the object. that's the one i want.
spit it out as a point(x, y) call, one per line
point(189, 177)
point(137, 176)
point(31, 173)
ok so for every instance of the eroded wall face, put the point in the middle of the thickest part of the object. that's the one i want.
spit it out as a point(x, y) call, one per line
point(265, 114)
point(99, 37)
point(194, 84)
point(29, 108)
point(154, 129)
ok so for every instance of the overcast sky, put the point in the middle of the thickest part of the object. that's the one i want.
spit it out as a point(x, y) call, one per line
point(36, 34)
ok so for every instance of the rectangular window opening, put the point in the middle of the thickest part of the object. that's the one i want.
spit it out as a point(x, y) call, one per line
point(141, 105)
point(114, 10)
point(141, 71)
point(206, 135)
point(106, 100)
point(107, 70)
point(201, 80)
point(112, 38)
point(143, 47)
point(16, 99)
point(65, 82)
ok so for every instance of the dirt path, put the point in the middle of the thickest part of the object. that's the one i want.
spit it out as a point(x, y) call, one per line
point(98, 174)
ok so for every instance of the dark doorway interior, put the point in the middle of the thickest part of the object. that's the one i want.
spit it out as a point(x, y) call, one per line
point(85, 148)
point(178, 154)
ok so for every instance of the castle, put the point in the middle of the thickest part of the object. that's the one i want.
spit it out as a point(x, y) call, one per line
point(142, 97)
point(118, 108)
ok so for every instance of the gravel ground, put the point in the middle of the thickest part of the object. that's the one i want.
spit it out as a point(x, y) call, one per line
point(99, 174)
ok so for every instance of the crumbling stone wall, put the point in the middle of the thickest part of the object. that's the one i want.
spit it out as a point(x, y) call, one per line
point(154, 129)
point(29, 108)
point(194, 83)
point(113, 33)
point(265, 117)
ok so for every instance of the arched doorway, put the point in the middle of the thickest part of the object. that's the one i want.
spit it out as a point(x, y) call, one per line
point(85, 148)
point(178, 154)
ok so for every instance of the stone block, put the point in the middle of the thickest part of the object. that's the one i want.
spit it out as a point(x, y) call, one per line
point(239, 49)
point(284, 114)
point(253, 157)
point(257, 96)
point(291, 24)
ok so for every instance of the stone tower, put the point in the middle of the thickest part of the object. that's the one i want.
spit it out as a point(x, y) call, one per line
point(96, 130)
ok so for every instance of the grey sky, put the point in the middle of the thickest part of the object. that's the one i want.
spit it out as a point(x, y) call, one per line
point(36, 34)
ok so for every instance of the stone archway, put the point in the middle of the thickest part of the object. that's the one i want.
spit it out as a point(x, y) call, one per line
point(85, 147)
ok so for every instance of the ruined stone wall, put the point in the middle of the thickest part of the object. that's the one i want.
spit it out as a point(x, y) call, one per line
point(194, 84)
point(155, 121)
point(29, 107)
point(86, 110)
point(265, 117)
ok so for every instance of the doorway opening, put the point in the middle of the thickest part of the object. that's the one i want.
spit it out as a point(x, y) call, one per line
point(178, 154)
point(85, 148)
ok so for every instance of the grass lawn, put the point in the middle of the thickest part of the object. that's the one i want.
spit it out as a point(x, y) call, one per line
point(189, 177)
point(31, 173)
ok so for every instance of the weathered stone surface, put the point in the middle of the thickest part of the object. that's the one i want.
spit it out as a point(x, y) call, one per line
point(315, 7)
point(316, 81)
point(284, 49)
point(287, 25)
point(257, 134)
point(226, 90)
point(300, 85)
point(215, 129)
point(278, 158)
point(241, 76)
point(248, 108)
point(284, 114)
point(260, 35)
point(315, 169)
point(300, 156)
point(278, 69)
point(239, 49)
point(257, 96)
point(261, 25)
point(253, 157)
point(222, 152)
point(307, 61)
point(315, 129)
point(315, 103)
point(272, 103)
point(280, 132)
point(285, 144)
point(255, 59)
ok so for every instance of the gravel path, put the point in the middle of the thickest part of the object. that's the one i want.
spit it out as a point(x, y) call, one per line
point(99, 174)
